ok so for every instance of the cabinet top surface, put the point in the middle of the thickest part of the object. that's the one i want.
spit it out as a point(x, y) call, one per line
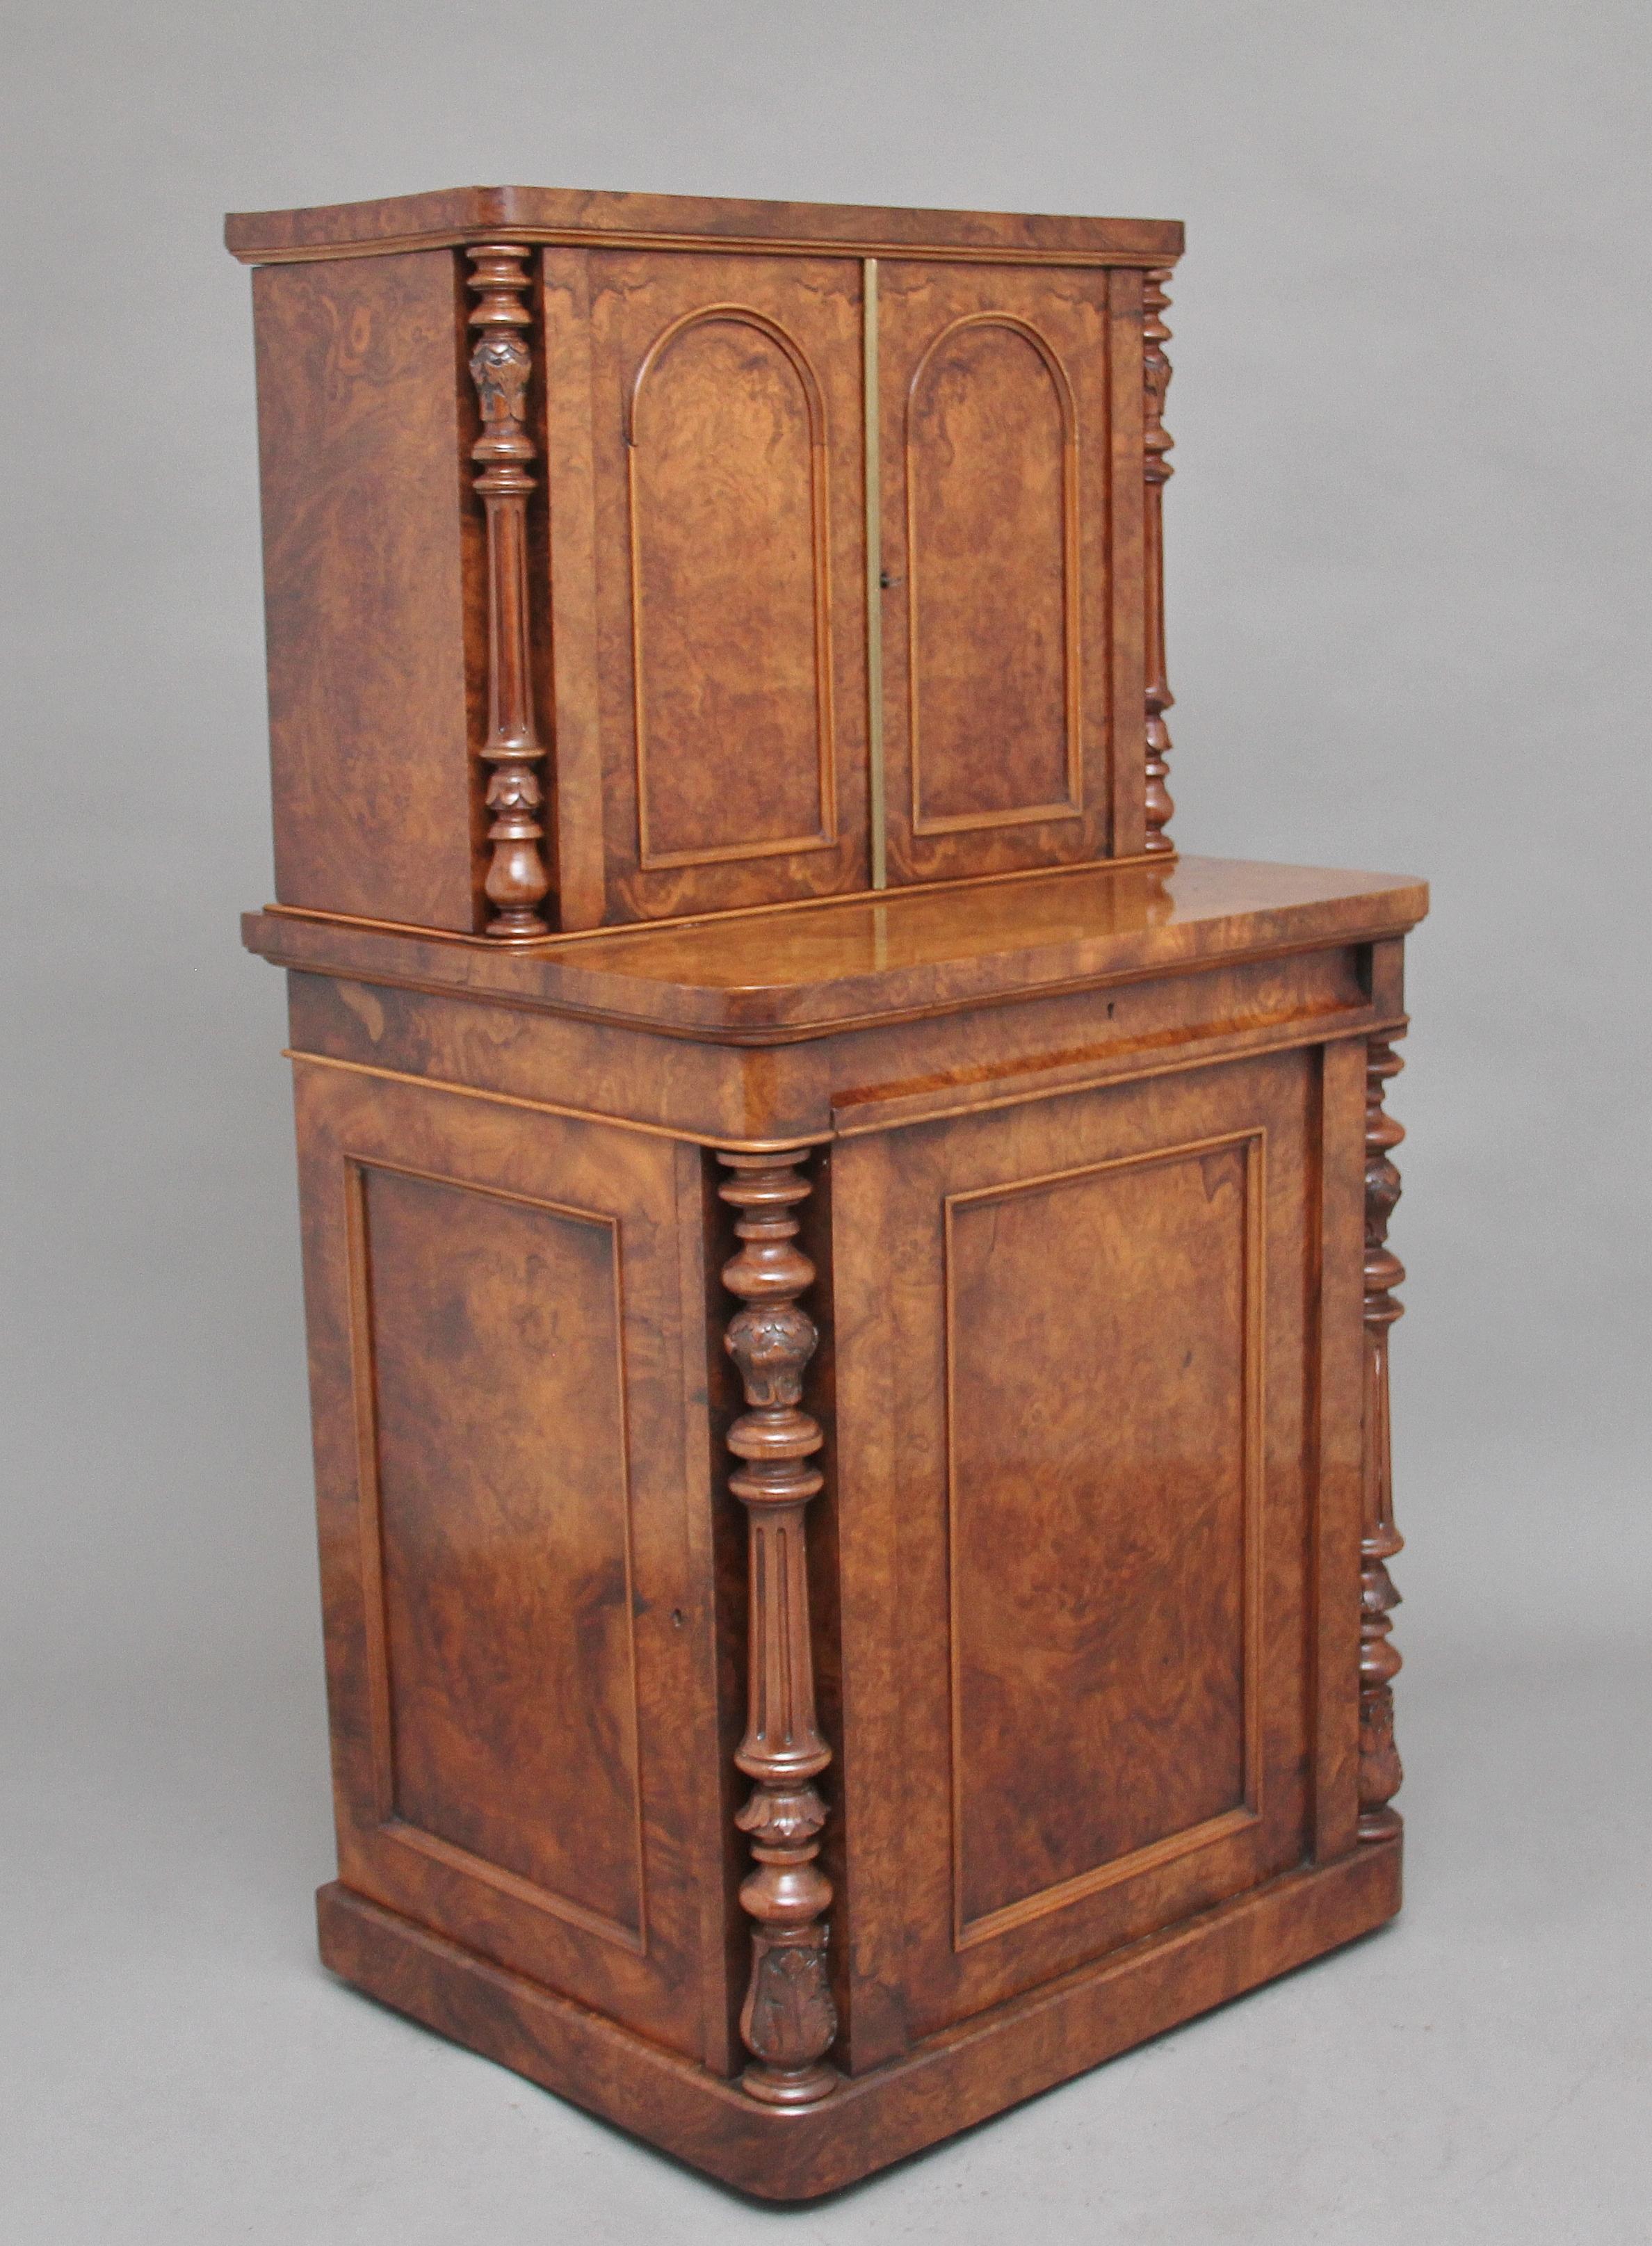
point(457, 214)
point(798, 971)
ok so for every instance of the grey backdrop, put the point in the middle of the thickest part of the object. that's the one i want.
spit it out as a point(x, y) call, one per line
point(1408, 541)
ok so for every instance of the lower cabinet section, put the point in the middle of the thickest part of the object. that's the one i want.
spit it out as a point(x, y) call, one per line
point(1083, 1576)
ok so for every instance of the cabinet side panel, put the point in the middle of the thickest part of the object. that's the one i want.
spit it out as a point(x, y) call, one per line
point(511, 1478)
point(362, 421)
point(503, 1527)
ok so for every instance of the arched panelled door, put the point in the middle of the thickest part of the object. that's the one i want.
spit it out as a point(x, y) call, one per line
point(1009, 686)
point(845, 571)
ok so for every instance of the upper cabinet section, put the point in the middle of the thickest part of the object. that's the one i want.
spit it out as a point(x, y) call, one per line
point(635, 558)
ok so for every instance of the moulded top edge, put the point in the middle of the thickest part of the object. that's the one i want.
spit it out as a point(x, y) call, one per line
point(456, 214)
point(762, 978)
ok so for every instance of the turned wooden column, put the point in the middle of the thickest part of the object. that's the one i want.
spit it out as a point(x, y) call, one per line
point(517, 883)
point(1379, 1660)
point(788, 2021)
point(1157, 444)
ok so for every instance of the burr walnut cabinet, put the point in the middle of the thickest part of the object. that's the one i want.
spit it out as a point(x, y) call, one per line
point(847, 1284)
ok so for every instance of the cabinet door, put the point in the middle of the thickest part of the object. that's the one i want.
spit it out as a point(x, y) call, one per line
point(707, 547)
point(1008, 544)
point(1078, 1380)
point(513, 1477)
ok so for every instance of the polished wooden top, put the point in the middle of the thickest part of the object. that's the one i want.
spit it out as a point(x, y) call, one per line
point(459, 214)
point(773, 976)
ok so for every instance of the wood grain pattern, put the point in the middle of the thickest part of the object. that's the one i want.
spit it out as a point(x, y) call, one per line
point(362, 425)
point(730, 550)
point(1053, 1856)
point(511, 1450)
point(877, 1078)
point(763, 979)
point(1077, 1531)
point(721, 481)
point(485, 1320)
point(996, 619)
point(991, 473)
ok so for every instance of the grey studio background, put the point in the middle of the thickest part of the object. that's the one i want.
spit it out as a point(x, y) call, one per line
point(1408, 564)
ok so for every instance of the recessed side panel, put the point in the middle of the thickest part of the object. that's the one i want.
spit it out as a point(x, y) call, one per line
point(1102, 1521)
point(512, 1473)
point(367, 511)
point(503, 1520)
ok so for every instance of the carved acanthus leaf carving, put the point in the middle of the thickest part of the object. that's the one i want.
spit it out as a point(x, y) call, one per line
point(500, 366)
point(778, 1820)
point(771, 1345)
point(788, 2007)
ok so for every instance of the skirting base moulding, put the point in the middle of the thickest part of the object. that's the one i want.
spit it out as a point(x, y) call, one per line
point(847, 1283)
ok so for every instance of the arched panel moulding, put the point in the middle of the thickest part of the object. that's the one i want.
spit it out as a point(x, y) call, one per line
point(731, 594)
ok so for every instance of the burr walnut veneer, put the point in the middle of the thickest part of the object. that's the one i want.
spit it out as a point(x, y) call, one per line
point(847, 1284)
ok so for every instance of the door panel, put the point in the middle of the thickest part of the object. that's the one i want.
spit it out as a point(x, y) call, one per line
point(1103, 1602)
point(491, 1321)
point(994, 440)
point(720, 467)
point(991, 465)
point(1076, 1415)
point(513, 1472)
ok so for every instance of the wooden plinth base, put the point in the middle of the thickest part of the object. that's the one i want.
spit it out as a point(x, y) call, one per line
point(957, 2078)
